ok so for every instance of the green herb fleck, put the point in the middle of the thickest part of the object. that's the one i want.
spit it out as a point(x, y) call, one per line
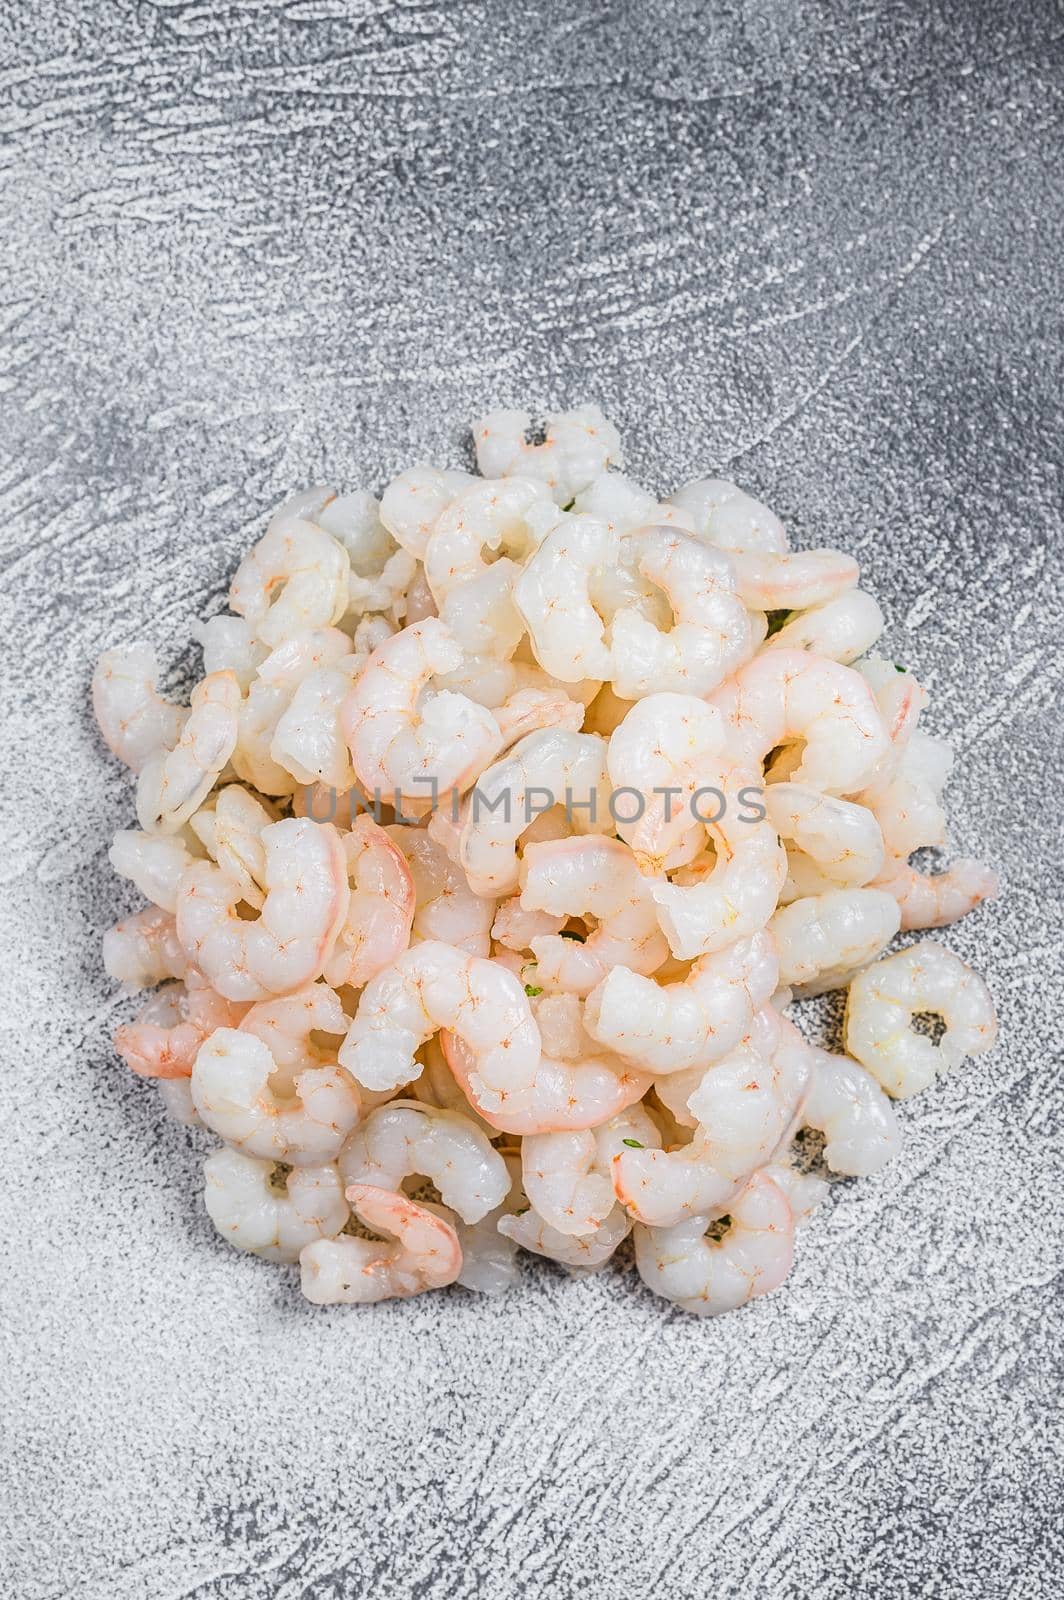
point(633, 1144)
point(776, 621)
point(532, 989)
point(899, 668)
point(521, 1211)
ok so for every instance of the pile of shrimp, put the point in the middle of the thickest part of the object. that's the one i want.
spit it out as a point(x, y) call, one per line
point(512, 815)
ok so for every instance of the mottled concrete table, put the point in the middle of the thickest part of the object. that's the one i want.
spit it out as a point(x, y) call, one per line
point(254, 244)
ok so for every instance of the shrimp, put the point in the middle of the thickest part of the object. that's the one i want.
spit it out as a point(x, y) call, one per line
point(432, 986)
point(401, 734)
point(423, 1253)
point(844, 839)
point(174, 783)
point(566, 1176)
point(287, 1027)
point(824, 939)
point(445, 908)
point(234, 839)
point(747, 1106)
point(474, 597)
point(379, 570)
point(232, 1092)
point(785, 695)
point(795, 581)
point(840, 629)
point(279, 677)
point(380, 909)
point(489, 1259)
point(553, 596)
point(286, 946)
point(136, 722)
point(274, 1218)
point(555, 764)
point(530, 710)
point(229, 645)
point(675, 746)
point(575, 1085)
point(296, 577)
point(885, 997)
point(152, 861)
point(585, 1252)
point(933, 900)
point(846, 1104)
point(711, 633)
point(308, 740)
point(708, 1277)
point(578, 447)
point(163, 1040)
point(515, 926)
point(600, 878)
point(726, 516)
point(405, 1139)
point(667, 1027)
point(413, 502)
point(731, 893)
point(144, 949)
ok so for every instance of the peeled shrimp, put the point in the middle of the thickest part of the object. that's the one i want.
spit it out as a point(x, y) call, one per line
point(711, 634)
point(405, 1139)
point(412, 503)
point(474, 596)
point(134, 719)
point(144, 949)
point(747, 1105)
point(270, 695)
point(234, 839)
point(844, 839)
point(885, 997)
point(152, 861)
point(232, 1092)
point(174, 783)
point(821, 940)
point(933, 900)
point(163, 1040)
point(575, 1083)
point(730, 893)
point(579, 445)
point(553, 595)
point(380, 908)
point(841, 629)
point(229, 645)
point(423, 1253)
point(296, 577)
point(567, 1176)
point(287, 945)
point(726, 516)
point(489, 1259)
point(784, 695)
point(600, 878)
point(555, 764)
point(708, 1277)
point(445, 907)
point(846, 1104)
point(432, 986)
point(275, 1220)
point(668, 756)
point(404, 736)
point(667, 1027)
point(581, 1252)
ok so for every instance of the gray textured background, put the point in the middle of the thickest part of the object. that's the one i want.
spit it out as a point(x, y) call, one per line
point(254, 244)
